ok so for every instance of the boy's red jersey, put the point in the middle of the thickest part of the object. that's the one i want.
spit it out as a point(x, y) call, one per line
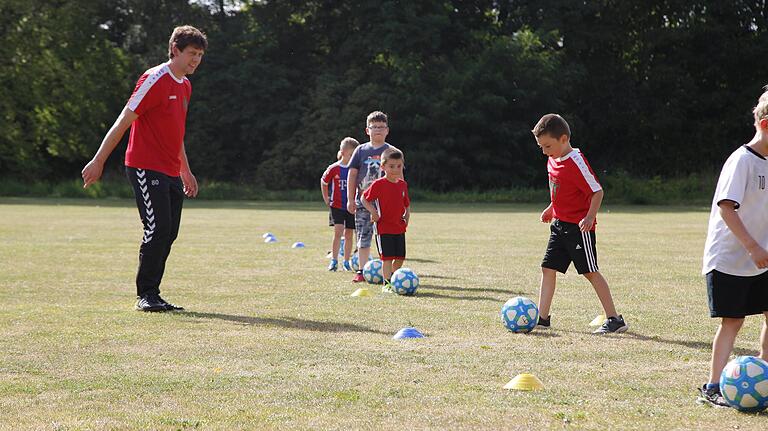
point(571, 186)
point(160, 99)
point(392, 201)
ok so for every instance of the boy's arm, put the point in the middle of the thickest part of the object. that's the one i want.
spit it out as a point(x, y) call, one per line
point(189, 180)
point(731, 218)
point(371, 209)
point(407, 216)
point(588, 221)
point(93, 170)
point(324, 191)
point(546, 215)
point(351, 189)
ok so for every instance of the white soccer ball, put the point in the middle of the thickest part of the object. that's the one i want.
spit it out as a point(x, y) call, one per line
point(372, 271)
point(405, 281)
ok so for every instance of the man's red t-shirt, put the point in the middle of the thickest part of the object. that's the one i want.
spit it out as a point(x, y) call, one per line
point(392, 201)
point(160, 99)
point(571, 186)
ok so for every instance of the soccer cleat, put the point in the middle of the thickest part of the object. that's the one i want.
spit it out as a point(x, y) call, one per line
point(150, 303)
point(612, 325)
point(358, 277)
point(711, 396)
point(168, 306)
point(334, 265)
point(387, 287)
point(347, 266)
point(544, 323)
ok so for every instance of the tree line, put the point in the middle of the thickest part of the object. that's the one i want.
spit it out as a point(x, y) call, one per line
point(653, 88)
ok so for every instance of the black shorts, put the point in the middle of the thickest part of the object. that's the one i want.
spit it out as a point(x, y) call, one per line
point(735, 296)
point(342, 216)
point(391, 246)
point(567, 243)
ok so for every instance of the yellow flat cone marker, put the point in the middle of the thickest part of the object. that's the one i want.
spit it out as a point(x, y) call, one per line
point(597, 321)
point(525, 382)
point(362, 292)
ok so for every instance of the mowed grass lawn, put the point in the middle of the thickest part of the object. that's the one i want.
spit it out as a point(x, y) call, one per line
point(272, 340)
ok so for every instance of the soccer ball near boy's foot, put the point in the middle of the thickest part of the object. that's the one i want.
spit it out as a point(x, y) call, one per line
point(372, 271)
point(404, 281)
point(520, 314)
point(744, 383)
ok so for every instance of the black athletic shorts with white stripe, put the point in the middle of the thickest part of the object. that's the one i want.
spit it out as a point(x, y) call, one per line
point(567, 243)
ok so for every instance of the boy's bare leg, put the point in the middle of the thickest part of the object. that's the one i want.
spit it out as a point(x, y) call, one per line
point(722, 345)
point(397, 264)
point(349, 243)
point(764, 339)
point(363, 253)
point(386, 269)
point(603, 293)
point(338, 230)
point(547, 291)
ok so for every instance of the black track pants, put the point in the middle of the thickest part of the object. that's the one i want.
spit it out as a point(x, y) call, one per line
point(159, 199)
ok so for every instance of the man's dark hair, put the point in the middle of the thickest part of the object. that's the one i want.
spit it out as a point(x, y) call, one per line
point(184, 36)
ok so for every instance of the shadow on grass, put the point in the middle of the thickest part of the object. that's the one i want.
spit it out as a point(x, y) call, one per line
point(700, 345)
point(284, 322)
point(465, 289)
point(422, 294)
point(410, 259)
point(439, 277)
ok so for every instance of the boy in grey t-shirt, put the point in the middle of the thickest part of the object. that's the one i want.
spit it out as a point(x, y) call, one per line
point(364, 169)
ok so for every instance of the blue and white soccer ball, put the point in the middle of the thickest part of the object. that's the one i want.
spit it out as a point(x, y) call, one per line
point(520, 314)
point(356, 261)
point(744, 383)
point(341, 250)
point(372, 271)
point(405, 281)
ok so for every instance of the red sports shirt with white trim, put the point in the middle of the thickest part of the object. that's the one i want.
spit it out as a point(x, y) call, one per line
point(571, 186)
point(392, 201)
point(160, 99)
point(335, 177)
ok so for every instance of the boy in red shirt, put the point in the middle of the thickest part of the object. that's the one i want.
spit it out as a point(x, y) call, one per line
point(575, 199)
point(391, 211)
point(156, 161)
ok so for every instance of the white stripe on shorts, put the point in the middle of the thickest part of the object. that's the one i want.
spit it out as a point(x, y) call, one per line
point(589, 251)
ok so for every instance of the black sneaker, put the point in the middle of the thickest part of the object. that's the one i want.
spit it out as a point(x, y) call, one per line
point(711, 396)
point(168, 306)
point(612, 325)
point(544, 323)
point(150, 303)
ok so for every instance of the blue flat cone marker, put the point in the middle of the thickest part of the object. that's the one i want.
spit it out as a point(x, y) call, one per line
point(270, 239)
point(266, 235)
point(524, 382)
point(298, 244)
point(598, 321)
point(408, 333)
point(361, 292)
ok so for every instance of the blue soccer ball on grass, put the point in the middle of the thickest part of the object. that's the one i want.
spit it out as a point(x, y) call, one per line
point(744, 383)
point(405, 281)
point(372, 271)
point(520, 314)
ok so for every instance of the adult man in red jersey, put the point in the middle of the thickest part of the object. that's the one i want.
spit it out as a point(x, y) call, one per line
point(156, 161)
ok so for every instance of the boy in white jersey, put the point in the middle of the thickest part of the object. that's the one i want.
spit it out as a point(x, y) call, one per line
point(735, 257)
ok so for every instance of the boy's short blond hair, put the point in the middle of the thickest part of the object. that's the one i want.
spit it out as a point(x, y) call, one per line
point(347, 144)
point(552, 125)
point(391, 153)
point(376, 117)
point(761, 110)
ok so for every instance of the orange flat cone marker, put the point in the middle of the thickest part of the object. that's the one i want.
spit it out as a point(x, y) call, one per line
point(524, 382)
point(362, 292)
point(597, 321)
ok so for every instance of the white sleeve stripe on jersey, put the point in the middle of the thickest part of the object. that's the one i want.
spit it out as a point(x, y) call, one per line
point(154, 76)
point(582, 165)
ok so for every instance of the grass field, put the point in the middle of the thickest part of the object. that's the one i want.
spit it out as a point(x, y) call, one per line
point(271, 340)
